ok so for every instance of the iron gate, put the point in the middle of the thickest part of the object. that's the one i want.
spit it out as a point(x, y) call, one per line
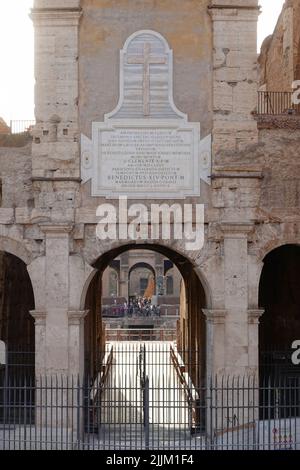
point(140, 399)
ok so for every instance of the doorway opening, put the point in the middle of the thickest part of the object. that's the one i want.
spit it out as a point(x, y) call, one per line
point(151, 287)
point(279, 296)
point(16, 324)
point(17, 337)
point(145, 339)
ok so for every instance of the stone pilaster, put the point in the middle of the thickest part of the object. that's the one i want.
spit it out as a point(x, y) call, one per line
point(215, 341)
point(253, 338)
point(234, 73)
point(57, 296)
point(236, 295)
point(123, 282)
point(55, 137)
point(40, 341)
point(76, 341)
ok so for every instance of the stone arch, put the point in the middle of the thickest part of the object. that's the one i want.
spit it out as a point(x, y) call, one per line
point(278, 296)
point(192, 275)
point(256, 264)
point(16, 248)
point(141, 265)
point(95, 251)
point(275, 243)
point(138, 265)
point(86, 286)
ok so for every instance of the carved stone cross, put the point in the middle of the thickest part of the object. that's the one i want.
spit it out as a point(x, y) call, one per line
point(146, 60)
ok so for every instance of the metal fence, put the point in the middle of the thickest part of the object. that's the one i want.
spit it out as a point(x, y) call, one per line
point(140, 334)
point(276, 103)
point(19, 127)
point(149, 396)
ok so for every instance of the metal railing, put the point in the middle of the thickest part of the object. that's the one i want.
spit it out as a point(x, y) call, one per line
point(189, 390)
point(235, 412)
point(140, 334)
point(276, 103)
point(21, 126)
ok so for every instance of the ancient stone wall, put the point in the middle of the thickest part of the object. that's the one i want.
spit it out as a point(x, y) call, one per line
point(279, 61)
point(15, 174)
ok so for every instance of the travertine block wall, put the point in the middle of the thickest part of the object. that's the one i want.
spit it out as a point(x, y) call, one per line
point(235, 73)
point(56, 143)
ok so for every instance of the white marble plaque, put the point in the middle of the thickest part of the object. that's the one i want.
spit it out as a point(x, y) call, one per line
point(146, 148)
point(148, 160)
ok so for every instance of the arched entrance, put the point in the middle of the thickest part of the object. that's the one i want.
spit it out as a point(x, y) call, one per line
point(191, 329)
point(279, 296)
point(16, 324)
point(141, 278)
point(142, 375)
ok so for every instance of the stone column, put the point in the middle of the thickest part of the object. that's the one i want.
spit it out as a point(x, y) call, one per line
point(235, 73)
point(124, 282)
point(40, 341)
point(215, 342)
point(236, 296)
point(253, 339)
point(160, 284)
point(76, 342)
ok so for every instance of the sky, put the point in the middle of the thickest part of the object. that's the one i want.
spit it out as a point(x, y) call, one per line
point(17, 58)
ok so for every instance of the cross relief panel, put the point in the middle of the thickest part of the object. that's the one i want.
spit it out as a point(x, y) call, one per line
point(146, 148)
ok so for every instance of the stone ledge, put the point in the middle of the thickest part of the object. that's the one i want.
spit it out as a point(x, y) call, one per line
point(215, 316)
point(56, 17)
point(58, 178)
point(236, 229)
point(56, 230)
point(235, 6)
point(237, 171)
point(56, 9)
point(254, 316)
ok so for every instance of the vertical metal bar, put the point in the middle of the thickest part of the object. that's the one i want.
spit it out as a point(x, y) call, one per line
point(78, 423)
point(56, 407)
point(146, 413)
point(52, 405)
point(24, 412)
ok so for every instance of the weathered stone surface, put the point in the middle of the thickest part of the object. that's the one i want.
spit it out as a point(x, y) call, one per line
point(235, 75)
point(15, 174)
point(279, 60)
point(48, 218)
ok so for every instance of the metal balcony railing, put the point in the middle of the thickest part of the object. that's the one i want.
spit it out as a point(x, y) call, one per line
point(21, 126)
point(277, 103)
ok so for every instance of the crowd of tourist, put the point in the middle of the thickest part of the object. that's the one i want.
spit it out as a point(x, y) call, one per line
point(139, 306)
